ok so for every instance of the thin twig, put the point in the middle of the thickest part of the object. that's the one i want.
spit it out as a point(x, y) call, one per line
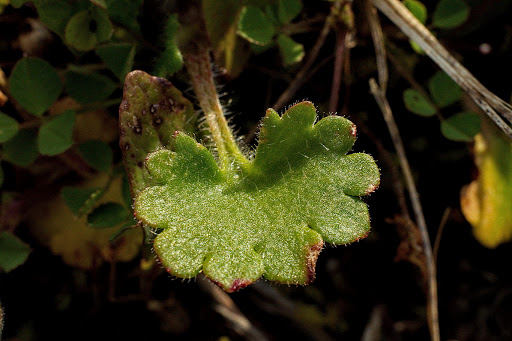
point(378, 43)
point(440, 230)
point(410, 79)
point(226, 307)
point(299, 79)
point(380, 97)
point(338, 69)
point(417, 32)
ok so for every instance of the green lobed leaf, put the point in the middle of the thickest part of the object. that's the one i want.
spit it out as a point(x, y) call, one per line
point(108, 215)
point(88, 28)
point(118, 58)
point(291, 51)
point(444, 90)
point(461, 127)
point(417, 103)
point(97, 154)
point(56, 135)
point(255, 26)
point(13, 250)
point(417, 8)
point(81, 200)
point(21, 150)
point(151, 111)
point(35, 84)
point(288, 9)
point(269, 218)
point(88, 87)
point(8, 127)
point(450, 13)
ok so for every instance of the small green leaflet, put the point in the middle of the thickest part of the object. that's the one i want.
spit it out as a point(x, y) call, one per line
point(35, 84)
point(8, 127)
point(13, 250)
point(55, 135)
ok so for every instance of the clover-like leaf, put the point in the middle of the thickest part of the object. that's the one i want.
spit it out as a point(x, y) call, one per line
point(267, 218)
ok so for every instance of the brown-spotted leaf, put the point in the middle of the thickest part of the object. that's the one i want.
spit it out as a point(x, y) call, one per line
point(151, 111)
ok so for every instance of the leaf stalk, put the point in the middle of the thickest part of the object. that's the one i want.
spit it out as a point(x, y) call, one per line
point(196, 51)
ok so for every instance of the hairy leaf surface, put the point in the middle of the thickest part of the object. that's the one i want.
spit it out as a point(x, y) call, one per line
point(268, 218)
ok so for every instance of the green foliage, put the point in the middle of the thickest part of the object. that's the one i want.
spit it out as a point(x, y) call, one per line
point(450, 13)
point(35, 84)
point(269, 218)
point(108, 215)
point(417, 103)
point(55, 14)
point(88, 28)
point(418, 9)
point(22, 149)
point(55, 135)
point(291, 51)
point(118, 58)
point(8, 127)
point(100, 3)
point(444, 90)
point(80, 200)
point(461, 127)
point(18, 3)
point(170, 59)
point(255, 26)
point(97, 154)
point(220, 17)
point(14, 251)
point(288, 9)
point(261, 28)
point(125, 12)
point(87, 87)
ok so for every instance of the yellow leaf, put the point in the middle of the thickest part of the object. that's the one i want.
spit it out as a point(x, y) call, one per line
point(54, 225)
point(487, 201)
point(90, 125)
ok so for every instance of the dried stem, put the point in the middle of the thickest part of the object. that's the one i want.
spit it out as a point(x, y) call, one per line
point(300, 78)
point(226, 307)
point(417, 32)
point(338, 69)
point(410, 79)
point(381, 99)
point(378, 43)
point(440, 230)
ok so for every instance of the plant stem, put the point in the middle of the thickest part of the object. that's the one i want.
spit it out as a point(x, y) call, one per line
point(432, 306)
point(196, 57)
point(416, 31)
point(299, 79)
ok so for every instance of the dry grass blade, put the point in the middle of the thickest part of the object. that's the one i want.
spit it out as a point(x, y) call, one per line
point(378, 43)
point(417, 32)
point(226, 307)
point(300, 77)
point(380, 97)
